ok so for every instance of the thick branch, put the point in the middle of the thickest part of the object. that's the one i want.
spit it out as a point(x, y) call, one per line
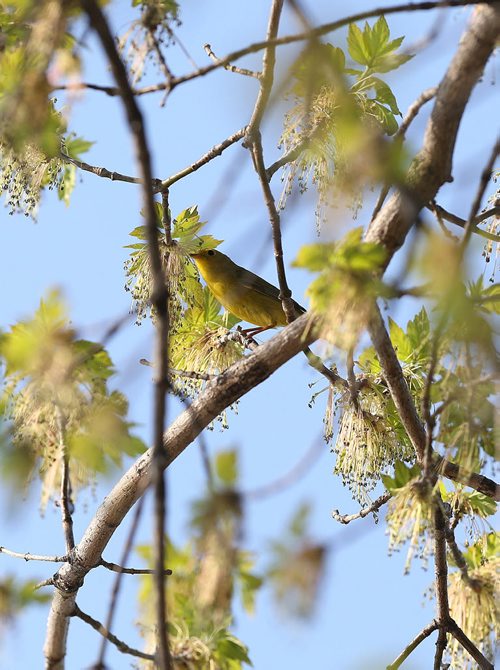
point(229, 386)
point(431, 167)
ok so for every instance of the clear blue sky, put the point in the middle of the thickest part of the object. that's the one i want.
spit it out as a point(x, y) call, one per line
point(367, 611)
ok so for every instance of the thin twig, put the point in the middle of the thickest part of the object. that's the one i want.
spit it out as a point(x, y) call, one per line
point(104, 172)
point(159, 300)
point(458, 221)
point(116, 586)
point(46, 582)
point(114, 567)
point(33, 557)
point(459, 559)
point(374, 507)
point(279, 41)
point(65, 503)
point(189, 374)
point(163, 66)
point(119, 644)
point(399, 136)
point(476, 204)
point(424, 633)
point(206, 158)
point(231, 68)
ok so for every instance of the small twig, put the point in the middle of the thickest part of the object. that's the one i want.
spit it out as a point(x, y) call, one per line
point(374, 507)
point(104, 172)
point(424, 633)
point(45, 582)
point(119, 644)
point(476, 204)
point(166, 218)
point(399, 136)
point(458, 221)
point(163, 66)
point(278, 41)
point(33, 557)
point(459, 559)
point(429, 417)
point(351, 377)
point(114, 567)
point(206, 158)
point(117, 568)
point(66, 504)
point(282, 483)
point(229, 67)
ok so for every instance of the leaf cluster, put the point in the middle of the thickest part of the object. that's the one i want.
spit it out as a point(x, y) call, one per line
point(57, 402)
point(341, 114)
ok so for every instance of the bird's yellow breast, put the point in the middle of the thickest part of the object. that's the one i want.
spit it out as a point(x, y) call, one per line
point(246, 303)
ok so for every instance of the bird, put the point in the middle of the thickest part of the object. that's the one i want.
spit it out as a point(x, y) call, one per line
point(241, 292)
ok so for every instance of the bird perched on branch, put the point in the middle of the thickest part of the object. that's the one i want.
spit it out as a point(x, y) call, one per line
point(241, 292)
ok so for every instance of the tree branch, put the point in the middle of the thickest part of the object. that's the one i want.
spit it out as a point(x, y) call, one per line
point(229, 386)
point(453, 218)
point(431, 168)
point(229, 67)
point(108, 635)
point(279, 41)
point(33, 557)
point(399, 136)
point(374, 507)
point(469, 646)
point(114, 567)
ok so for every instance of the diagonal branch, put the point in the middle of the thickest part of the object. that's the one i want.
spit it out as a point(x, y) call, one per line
point(108, 635)
point(431, 168)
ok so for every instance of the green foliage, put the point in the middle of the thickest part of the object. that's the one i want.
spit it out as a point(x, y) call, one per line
point(57, 402)
point(342, 294)
point(297, 567)
point(181, 276)
point(15, 596)
point(199, 632)
point(340, 115)
point(372, 48)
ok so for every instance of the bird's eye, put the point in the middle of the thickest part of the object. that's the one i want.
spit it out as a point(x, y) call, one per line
point(211, 252)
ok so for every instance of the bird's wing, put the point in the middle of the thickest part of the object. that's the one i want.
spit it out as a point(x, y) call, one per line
point(253, 282)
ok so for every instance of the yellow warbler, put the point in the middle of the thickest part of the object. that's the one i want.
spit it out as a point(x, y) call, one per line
point(243, 293)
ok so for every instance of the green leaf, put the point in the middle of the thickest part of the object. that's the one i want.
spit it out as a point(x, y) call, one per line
point(380, 34)
point(356, 45)
point(234, 649)
point(481, 504)
point(490, 299)
point(140, 232)
point(385, 95)
point(314, 257)
point(400, 341)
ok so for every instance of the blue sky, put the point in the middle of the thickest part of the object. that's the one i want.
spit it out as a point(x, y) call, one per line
point(367, 610)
